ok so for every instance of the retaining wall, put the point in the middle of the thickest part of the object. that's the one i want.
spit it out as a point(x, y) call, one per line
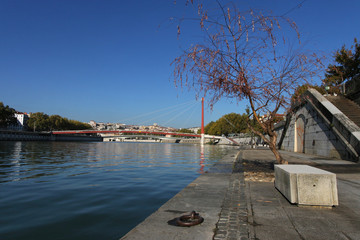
point(7, 135)
point(326, 130)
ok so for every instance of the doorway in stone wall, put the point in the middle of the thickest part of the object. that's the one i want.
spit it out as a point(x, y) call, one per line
point(300, 134)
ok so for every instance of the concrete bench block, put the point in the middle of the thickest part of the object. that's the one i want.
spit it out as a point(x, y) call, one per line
point(306, 185)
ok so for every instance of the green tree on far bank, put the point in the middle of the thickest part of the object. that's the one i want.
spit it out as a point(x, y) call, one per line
point(57, 122)
point(77, 125)
point(228, 124)
point(207, 128)
point(42, 122)
point(38, 121)
point(185, 130)
point(7, 117)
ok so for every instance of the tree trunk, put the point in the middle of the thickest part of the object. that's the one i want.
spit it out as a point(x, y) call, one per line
point(277, 154)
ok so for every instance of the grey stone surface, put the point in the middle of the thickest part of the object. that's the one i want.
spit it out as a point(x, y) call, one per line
point(274, 217)
point(303, 184)
point(233, 222)
point(327, 131)
point(238, 209)
point(331, 108)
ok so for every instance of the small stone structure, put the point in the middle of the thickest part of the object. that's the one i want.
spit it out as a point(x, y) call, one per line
point(306, 185)
point(315, 126)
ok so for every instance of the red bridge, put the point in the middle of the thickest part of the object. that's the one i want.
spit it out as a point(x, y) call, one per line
point(202, 136)
point(127, 132)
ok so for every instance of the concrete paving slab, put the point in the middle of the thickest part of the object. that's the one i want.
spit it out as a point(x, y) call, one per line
point(261, 196)
point(235, 209)
point(309, 212)
point(268, 232)
point(307, 222)
point(277, 218)
point(341, 222)
point(318, 228)
point(346, 226)
point(352, 235)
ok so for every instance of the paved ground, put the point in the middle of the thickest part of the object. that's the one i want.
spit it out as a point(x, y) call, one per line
point(238, 207)
point(271, 216)
point(233, 218)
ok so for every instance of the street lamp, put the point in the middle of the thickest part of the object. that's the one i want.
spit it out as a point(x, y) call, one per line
point(327, 88)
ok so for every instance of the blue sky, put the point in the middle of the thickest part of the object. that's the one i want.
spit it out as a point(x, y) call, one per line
point(109, 61)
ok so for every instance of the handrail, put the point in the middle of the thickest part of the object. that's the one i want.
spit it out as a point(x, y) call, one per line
point(348, 134)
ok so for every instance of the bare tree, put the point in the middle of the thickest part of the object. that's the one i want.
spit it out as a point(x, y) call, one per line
point(246, 55)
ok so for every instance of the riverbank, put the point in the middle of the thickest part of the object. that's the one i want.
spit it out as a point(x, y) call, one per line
point(8, 135)
point(205, 195)
point(238, 200)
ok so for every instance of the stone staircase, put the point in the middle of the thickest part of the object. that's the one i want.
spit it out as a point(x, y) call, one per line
point(346, 106)
point(334, 112)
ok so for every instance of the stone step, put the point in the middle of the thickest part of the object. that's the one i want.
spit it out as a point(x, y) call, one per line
point(346, 106)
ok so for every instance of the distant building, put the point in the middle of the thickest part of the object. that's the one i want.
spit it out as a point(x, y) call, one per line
point(92, 123)
point(120, 126)
point(21, 121)
point(101, 126)
point(194, 129)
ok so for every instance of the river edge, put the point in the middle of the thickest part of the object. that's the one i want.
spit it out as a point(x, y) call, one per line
point(8, 135)
point(205, 195)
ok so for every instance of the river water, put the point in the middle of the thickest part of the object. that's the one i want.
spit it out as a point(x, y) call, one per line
point(67, 190)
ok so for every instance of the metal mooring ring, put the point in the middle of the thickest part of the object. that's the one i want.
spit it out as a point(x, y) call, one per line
point(189, 220)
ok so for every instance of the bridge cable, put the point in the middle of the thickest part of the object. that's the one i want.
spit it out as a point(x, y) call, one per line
point(179, 114)
point(156, 111)
point(191, 114)
point(168, 113)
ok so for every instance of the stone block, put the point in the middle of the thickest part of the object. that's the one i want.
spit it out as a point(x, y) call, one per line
point(306, 185)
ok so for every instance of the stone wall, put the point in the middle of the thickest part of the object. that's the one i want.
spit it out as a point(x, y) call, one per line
point(23, 136)
point(318, 136)
point(6, 135)
point(75, 138)
point(248, 140)
point(318, 127)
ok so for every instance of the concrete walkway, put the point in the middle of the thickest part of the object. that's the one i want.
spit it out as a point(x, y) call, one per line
point(237, 209)
point(271, 216)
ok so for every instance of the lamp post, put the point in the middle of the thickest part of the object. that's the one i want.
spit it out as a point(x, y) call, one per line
point(327, 88)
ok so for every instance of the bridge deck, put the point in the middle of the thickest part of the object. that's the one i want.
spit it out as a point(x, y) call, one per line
point(126, 132)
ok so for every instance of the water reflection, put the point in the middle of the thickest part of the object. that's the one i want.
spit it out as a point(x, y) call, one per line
point(15, 161)
point(202, 159)
point(27, 160)
point(96, 185)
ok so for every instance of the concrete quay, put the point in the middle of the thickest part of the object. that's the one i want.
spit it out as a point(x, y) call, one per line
point(10, 135)
point(205, 195)
point(235, 207)
point(271, 216)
